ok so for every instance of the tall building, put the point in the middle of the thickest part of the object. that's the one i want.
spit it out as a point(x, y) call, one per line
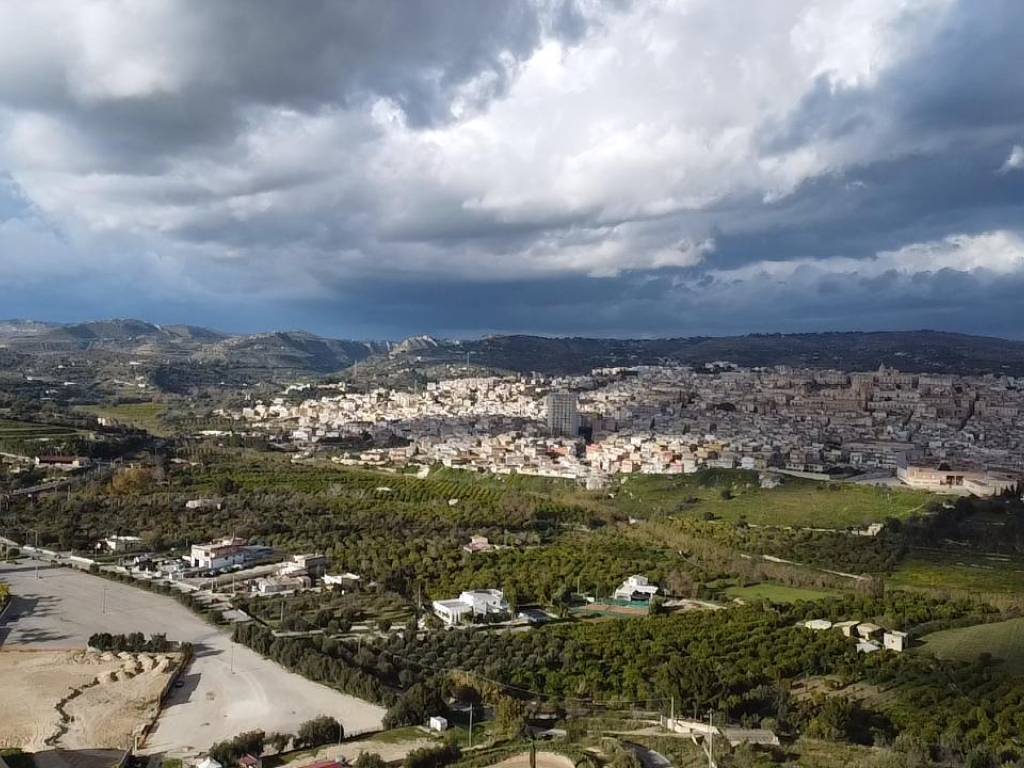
point(563, 418)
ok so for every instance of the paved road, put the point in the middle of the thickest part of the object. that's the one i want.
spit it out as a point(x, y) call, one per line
point(228, 688)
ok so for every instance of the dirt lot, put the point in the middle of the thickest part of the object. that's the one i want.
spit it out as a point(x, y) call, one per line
point(112, 697)
point(227, 689)
point(390, 751)
point(544, 760)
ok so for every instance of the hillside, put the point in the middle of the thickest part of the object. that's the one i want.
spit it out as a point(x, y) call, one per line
point(180, 358)
point(918, 351)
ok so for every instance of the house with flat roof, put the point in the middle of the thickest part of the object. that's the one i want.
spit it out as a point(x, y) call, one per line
point(635, 588)
point(121, 544)
point(895, 641)
point(818, 624)
point(218, 554)
point(868, 631)
point(471, 604)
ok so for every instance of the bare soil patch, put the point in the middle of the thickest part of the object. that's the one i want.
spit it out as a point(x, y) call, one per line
point(77, 699)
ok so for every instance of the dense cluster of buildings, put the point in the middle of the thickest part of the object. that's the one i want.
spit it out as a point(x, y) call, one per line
point(955, 433)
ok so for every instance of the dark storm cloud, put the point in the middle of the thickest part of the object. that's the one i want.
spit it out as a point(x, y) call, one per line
point(379, 168)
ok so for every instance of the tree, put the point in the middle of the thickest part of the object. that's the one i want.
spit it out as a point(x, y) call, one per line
point(247, 743)
point(279, 741)
point(318, 731)
point(510, 716)
point(416, 705)
point(369, 760)
point(432, 757)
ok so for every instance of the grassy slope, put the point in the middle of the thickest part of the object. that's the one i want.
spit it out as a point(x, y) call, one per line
point(776, 593)
point(955, 571)
point(1004, 640)
point(795, 503)
point(143, 415)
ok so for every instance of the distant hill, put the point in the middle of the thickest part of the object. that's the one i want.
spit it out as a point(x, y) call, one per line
point(918, 351)
point(291, 350)
point(13, 329)
point(179, 358)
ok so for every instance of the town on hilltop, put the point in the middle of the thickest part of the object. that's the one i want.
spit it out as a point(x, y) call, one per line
point(959, 434)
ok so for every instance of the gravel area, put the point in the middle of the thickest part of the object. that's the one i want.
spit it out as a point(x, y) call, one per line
point(226, 690)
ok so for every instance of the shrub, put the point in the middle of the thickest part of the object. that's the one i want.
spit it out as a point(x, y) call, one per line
point(318, 731)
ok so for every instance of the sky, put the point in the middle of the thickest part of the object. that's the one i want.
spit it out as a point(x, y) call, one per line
point(379, 168)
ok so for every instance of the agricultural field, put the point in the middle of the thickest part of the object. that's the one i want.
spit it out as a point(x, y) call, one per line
point(1002, 640)
point(776, 593)
point(333, 612)
point(736, 496)
point(960, 572)
point(17, 435)
point(145, 416)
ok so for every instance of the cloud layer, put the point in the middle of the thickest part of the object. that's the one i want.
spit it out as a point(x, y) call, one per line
point(378, 168)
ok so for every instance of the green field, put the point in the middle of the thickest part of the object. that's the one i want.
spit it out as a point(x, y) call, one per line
point(142, 415)
point(30, 430)
point(776, 593)
point(798, 503)
point(1003, 640)
point(32, 437)
point(957, 571)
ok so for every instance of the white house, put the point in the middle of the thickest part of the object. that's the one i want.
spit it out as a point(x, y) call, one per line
point(476, 602)
point(818, 624)
point(203, 504)
point(846, 627)
point(451, 612)
point(438, 723)
point(208, 762)
point(218, 554)
point(344, 581)
point(868, 631)
point(636, 587)
point(895, 641)
point(122, 543)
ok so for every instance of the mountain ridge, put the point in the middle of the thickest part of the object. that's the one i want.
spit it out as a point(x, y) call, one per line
point(280, 354)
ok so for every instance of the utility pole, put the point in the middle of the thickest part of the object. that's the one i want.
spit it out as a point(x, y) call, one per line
point(471, 708)
point(672, 716)
point(36, 553)
point(103, 599)
point(711, 739)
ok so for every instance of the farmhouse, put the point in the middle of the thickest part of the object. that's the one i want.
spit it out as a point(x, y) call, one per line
point(868, 631)
point(846, 627)
point(895, 641)
point(818, 624)
point(342, 581)
point(634, 588)
point(120, 544)
point(218, 554)
point(63, 463)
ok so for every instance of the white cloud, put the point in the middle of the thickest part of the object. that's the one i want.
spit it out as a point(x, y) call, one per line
point(1015, 161)
point(997, 253)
